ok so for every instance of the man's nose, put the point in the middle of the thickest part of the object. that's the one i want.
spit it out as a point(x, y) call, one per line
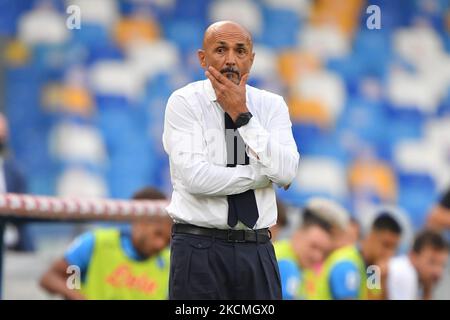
point(230, 59)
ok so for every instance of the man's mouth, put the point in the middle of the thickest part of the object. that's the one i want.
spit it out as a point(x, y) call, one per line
point(229, 73)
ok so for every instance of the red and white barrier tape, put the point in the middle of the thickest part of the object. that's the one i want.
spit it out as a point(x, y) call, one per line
point(23, 205)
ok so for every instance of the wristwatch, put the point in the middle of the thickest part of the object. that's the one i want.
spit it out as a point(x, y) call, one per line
point(243, 119)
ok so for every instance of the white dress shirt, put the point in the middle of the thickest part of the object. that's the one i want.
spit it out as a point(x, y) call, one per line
point(194, 139)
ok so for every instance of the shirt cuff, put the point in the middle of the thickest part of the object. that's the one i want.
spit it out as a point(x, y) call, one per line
point(256, 138)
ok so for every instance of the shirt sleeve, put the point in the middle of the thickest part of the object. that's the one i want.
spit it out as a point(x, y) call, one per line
point(445, 201)
point(345, 281)
point(80, 251)
point(275, 148)
point(184, 142)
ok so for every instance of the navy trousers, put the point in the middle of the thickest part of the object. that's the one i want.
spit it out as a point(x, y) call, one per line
point(207, 268)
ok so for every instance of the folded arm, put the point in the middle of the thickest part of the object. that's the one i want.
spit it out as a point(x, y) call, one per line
point(185, 144)
point(274, 148)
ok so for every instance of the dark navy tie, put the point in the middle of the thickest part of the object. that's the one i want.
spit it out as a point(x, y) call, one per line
point(241, 206)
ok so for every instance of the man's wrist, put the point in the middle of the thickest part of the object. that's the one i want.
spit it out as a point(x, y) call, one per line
point(260, 179)
point(243, 119)
point(234, 113)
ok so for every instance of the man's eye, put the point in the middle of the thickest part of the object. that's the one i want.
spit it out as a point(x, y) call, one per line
point(220, 50)
point(241, 51)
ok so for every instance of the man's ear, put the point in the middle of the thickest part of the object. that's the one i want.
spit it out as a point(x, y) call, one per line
point(252, 58)
point(202, 58)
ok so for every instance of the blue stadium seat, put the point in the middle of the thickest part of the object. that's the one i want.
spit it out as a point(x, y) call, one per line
point(403, 124)
point(106, 51)
point(91, 35)
point(373, 49)
point(417, 193)
point(365, 119)
point(188, 10)
point(298, 198)
point(394, 14)
point(127, 174)
point(281, 28)
point(187, 34)
point(324, 145)
point(10, 12)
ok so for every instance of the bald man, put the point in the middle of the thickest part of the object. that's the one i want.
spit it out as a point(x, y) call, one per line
point(229, 145)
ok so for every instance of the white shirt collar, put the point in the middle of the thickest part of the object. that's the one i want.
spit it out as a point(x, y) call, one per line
point(209, 90)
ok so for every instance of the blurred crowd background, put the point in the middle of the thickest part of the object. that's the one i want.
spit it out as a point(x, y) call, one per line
point(370, 108)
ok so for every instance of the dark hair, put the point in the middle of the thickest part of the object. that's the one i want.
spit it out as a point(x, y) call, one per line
point(312, 219)
point(149, 193)
point(386, 222)
point(429, 238)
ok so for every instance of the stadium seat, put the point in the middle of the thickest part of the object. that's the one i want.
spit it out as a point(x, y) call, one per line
point(42, 26)
point(79, 182)
point(265, 63)
point(418, 156)
point(141, 58)
point(244, 12)
point(281, 28)
point(16, 53)
point(136, 29)
point(364, 120)
point(186, 34)
point(324, 41)
point(340, 15)
point(325, 87)
point(293, 65)
point(321, 175)
point(429, 158)
point(300, 7)
point(92, 35)
point(437, 132)
point(103, 12)
point(325, 144)
point(73, 142)
point(375, 176)
point(128, 81)
point(417, 194)
point(310, 111)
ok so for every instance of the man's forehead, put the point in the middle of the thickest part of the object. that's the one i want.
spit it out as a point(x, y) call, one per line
point(226, 32)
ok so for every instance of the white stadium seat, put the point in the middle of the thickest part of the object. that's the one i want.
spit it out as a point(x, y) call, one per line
point(326, 87)
point(247, 13)
point(77, 182)
point(324, 41)
point(116, 78)
point(42, 25)
point(320, 174)
point(151, 58)
point(103, 12)
point(72, 142)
